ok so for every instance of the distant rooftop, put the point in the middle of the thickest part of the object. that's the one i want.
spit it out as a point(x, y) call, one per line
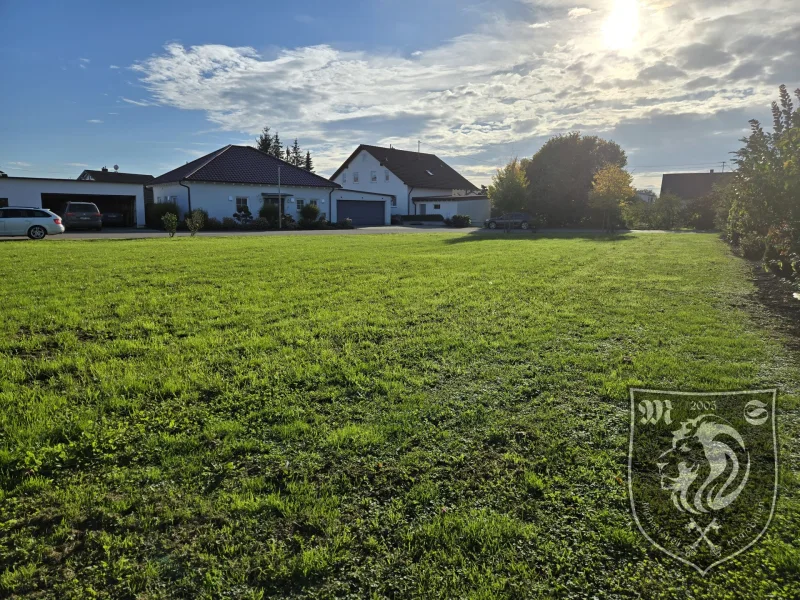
point(693, 185)
point(106, 176)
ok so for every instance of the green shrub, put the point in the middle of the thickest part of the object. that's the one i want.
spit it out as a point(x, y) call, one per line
point(195, 221)
point(213, 224)
point(461, 221)
point(244, 216)
point(262, 224)
point(170, 222)
point(153, 213)
point(345, 224)
point(752, 246)
point(270, 212)
point(228, 223)
point(309, 214)
point(422, 218)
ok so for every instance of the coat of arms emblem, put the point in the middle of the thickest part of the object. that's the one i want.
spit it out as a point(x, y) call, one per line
point(702, 471)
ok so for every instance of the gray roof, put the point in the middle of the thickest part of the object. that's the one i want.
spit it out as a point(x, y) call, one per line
point(693, 185)
point(243, 164)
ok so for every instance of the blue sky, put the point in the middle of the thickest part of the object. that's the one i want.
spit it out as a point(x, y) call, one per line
point(150, 85)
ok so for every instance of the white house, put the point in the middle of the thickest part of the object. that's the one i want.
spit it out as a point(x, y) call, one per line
point(648, 196)
point(420, 183)
point(222, 182)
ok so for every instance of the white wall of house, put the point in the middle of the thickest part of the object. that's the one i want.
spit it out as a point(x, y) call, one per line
point(478, 210)
point(358, 175)
point(219, 199)
point(24, 191)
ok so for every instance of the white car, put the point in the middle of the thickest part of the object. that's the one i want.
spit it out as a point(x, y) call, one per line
point(36, 223)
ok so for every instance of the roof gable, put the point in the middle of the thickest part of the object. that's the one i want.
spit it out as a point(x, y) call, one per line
point(245, 165)
point(415, 169)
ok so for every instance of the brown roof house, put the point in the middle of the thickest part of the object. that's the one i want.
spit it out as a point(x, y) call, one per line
point(228, 179)
point(690, 186)
point(421, 184)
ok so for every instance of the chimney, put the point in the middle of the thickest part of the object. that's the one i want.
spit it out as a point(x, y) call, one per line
point(104, 169)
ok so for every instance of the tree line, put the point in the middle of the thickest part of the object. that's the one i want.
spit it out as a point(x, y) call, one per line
point(272, 145)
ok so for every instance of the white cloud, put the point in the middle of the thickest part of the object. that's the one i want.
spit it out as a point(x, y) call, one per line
point(417, 53)
point(85, 60)
point(544, 25)
point(19, 164)
point(95, 121)
point(473, 96)
point(113, 67)
point(576, 13)
point(137, 102)
point(76, 164)
point(113, 113)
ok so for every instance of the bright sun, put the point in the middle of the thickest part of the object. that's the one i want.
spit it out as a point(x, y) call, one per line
point(622, 26)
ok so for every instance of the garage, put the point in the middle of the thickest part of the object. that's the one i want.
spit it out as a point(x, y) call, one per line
point(117, 211)
point(363, 213)
point(122, 204)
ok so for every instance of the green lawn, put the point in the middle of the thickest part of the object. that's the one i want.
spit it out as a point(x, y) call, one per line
point(432, 415)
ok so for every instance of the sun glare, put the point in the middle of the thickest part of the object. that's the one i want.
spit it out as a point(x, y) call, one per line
point(622, 25)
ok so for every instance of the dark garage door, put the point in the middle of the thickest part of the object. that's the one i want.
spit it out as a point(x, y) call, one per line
point(362, 213)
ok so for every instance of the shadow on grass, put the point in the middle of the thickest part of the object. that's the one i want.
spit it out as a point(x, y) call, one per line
point(570, 234)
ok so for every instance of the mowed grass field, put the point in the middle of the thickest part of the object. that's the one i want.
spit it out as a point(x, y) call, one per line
point(433, 415)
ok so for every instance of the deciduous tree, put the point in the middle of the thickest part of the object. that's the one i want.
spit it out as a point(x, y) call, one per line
point(611, 190)
point(509, 189)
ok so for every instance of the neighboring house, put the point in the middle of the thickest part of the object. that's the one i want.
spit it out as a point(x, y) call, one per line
point(690, 186)
point(412, 178)
point(106, 176)
point(226, 180)
point(40, 192)
point(648, 196)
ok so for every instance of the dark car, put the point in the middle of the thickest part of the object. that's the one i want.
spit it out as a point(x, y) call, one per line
point(82, 215)
point(516, 219)
point(114, 218)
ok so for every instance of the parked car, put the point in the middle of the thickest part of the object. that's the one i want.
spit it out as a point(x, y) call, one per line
point(36, 223)
point(82, 215)
point(113, 218)
point(516, 219)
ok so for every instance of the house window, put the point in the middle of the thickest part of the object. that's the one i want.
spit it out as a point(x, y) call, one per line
point(386, 175)
point(300, 203)
point(344, 177)
point(312, 202)
point(355, 177)
point(241, 203)
point(437, 206)
point(323, 216)
point(394, 202)
point(159, 200)
point(373, 176)
point(3, 202)
point(173, 199)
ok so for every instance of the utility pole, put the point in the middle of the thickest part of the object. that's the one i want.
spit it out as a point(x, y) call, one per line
point(723, 165)
point(280, 203)
point(419, 144)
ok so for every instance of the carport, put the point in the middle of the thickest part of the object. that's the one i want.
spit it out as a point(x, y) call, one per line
point(39, 192)
point(105, 202)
